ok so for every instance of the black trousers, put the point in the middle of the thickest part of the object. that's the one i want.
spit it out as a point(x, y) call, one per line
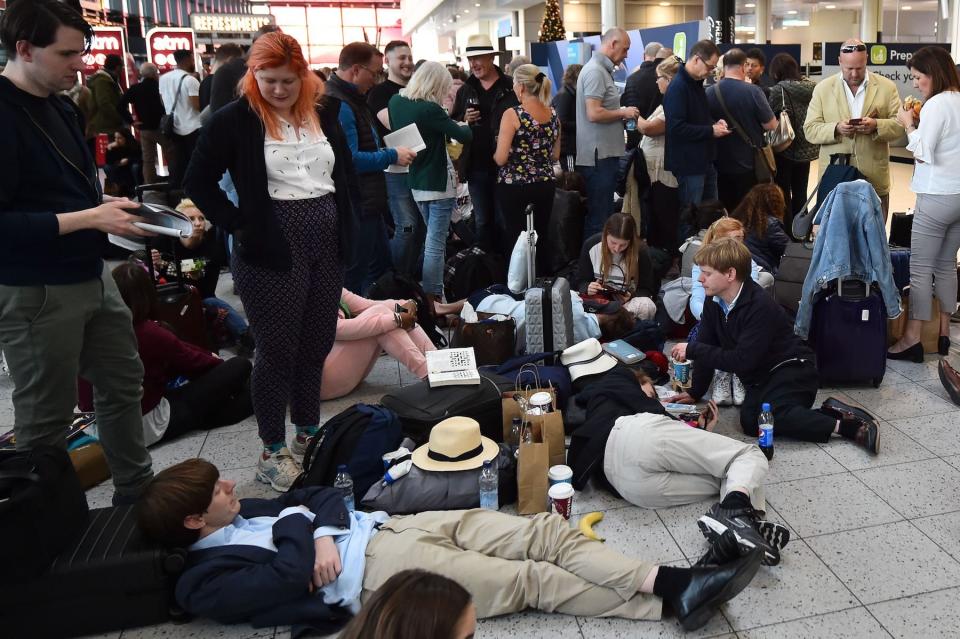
point(733, 187)
point(183, 146)
point(790, 390)
point(513, 200)
point(663, 230)
point(219, 397)
point(792, 178)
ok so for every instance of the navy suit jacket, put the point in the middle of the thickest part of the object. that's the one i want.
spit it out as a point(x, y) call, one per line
point(248, 584)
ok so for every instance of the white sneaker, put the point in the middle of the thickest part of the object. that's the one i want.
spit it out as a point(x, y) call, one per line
point(299, 446)
point(739, 392)
point(278, 469)
point(721, 388)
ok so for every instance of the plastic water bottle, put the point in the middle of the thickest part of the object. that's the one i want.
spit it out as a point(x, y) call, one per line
point(344, 483)
point(516, 427)
point(488, 487)
point(765, 426)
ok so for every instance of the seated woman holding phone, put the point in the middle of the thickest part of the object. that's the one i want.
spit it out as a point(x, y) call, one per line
point(615, 266)
point(364, 329)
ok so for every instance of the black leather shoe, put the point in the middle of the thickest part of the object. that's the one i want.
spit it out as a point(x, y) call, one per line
point(912, 354)
point(838, 410)
point(943, 345)
point(723, 549)
point(712, 586)
point(950, 380)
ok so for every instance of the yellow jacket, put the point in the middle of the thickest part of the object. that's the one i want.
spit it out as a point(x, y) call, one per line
point(869, 153)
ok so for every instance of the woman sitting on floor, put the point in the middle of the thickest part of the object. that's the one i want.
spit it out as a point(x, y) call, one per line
point(365, 328)
point(616, 263)
point(184, 387)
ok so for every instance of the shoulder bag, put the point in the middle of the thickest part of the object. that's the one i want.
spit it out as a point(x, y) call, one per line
point(782, 136)
point(764, 165)
point(167, 120)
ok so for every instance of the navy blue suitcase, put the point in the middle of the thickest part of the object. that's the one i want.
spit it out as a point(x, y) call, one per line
point(849, 334)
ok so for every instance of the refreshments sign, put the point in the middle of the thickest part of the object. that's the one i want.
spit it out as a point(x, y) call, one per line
point(106, 41)
point(229, 22)
point(162, 42)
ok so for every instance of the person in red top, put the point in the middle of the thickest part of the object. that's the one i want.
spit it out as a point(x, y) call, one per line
point(184, 387)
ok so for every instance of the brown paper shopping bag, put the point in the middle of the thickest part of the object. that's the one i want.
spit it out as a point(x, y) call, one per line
point(532, 465)
point(547, 428)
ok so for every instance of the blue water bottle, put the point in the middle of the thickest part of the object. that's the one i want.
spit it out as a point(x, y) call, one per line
point(765, 426)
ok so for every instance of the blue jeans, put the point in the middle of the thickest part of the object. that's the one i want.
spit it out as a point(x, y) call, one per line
point(694, 189)
point(601, 182)
point(371, 253)
point(236, 325)
point(406, 247)
point(436, 213)
point(486, 216)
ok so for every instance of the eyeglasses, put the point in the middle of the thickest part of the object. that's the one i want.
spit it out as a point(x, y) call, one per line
point(710, 67)
point(851, 48)
point(373, 72)
point(663, 77)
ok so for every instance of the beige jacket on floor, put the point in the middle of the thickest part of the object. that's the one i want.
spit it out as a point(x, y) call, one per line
point(870, 153)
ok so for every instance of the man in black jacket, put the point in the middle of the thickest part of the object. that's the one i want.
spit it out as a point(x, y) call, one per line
point(148, 109)
point(489, 92)
point(304, 560)
point(641, 89)
point(745, 332)
point(61, 315)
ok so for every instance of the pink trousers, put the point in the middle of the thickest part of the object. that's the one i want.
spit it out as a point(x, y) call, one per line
point(350, 361)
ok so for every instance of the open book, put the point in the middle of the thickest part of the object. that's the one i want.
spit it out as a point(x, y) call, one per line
point(452, 367)
point(159, 219)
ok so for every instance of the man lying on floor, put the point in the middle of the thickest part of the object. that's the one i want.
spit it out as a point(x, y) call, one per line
point(630, 446)
point(302, 559)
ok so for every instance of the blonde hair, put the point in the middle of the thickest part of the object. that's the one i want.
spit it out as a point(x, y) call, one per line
point(186, 203)
point(725, 254)
point(534, 81)
point(669, 66)
point(431, 82)
point(719, 229)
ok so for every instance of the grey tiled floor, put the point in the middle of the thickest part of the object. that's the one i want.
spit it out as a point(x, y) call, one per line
point(876, 546)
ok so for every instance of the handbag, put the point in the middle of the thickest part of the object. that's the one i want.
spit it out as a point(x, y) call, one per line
point(42, 509)
point(838, 171)
point(493, 341)
point(764, 164)
point(782, 136)
point(167, 121)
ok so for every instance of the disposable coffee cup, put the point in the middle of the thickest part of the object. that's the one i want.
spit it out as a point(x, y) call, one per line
point(560, 474)
point(561, 499)
point(543, 401)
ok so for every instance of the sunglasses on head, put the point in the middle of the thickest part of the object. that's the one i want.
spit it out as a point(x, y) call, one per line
point(851, 48)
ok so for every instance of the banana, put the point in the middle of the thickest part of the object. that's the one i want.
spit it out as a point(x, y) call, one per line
point(586, 525)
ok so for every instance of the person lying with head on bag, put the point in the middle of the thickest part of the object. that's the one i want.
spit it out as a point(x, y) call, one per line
point(745, 332)
point(304, 560)
point(364, 329)
point(185, 388)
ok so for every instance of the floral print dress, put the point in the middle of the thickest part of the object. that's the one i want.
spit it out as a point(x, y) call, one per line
point(531, 154)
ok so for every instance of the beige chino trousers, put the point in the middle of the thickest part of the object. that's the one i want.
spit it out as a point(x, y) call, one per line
point(510, 563)
point(655, 462)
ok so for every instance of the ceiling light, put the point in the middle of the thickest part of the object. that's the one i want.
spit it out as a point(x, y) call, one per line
point(907, 8)
point(830, 6)
point(458, 16)
point(793, 13)
point(466, 10)
point(574, 2)
point(664, 4)
point(750, 5)
point(477, 5)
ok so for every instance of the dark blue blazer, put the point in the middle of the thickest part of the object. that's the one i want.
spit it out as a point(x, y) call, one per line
point(248, 584)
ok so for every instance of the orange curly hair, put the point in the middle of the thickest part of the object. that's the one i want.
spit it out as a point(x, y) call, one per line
point(276, 50)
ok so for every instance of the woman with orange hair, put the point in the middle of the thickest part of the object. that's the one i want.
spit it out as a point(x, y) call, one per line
point(296, 186)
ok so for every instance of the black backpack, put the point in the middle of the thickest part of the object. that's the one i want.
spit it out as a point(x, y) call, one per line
point(396, 286)
point(358, 437)
point(472, 270)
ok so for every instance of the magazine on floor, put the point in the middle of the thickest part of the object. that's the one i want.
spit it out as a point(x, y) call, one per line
point(452, 367)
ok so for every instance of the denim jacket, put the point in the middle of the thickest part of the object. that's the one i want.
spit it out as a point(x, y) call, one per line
point(851, 243)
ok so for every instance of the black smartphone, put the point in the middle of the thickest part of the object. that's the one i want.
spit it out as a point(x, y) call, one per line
point(855, 121)
point(399, 309)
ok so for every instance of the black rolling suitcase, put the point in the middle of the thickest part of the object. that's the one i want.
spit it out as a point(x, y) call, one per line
point(110, 578)
point(179, 304)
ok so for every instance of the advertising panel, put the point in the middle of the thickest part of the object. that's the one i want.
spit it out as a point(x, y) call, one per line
point(163, 41)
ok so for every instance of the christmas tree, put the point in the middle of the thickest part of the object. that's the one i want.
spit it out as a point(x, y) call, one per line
point(552, 28)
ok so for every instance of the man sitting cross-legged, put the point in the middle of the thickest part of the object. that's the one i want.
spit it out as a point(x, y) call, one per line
point(304, 559)
point(744, 331)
